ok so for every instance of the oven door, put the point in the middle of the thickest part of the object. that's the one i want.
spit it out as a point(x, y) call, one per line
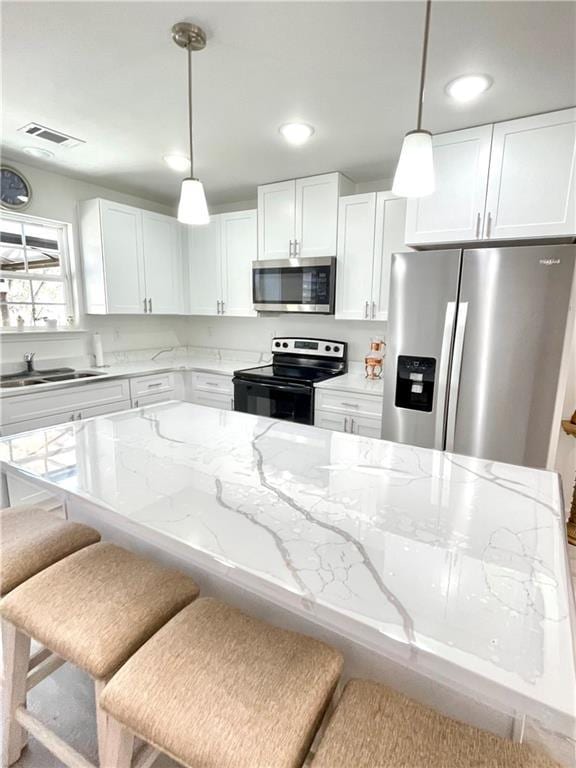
point(294, 285)
point(277, 401)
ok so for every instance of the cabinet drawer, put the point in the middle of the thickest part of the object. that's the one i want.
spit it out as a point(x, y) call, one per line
point(333, 421)
point(214, 400)
point(212, 382)
point(349, 403)
point(157, 397)
point(151, 384)
point(37, 406)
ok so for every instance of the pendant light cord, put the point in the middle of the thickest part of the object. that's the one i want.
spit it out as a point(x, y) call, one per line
point(190, 110)
point(423, 69)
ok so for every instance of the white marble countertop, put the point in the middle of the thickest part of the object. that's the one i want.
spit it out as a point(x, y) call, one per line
point(453, 566)
point(354, 381)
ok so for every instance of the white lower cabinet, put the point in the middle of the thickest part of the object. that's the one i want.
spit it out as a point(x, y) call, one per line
point(212, 389)
point(353, 413)
point(150, 389)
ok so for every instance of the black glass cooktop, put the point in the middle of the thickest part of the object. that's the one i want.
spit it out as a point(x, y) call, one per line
point(291, 373)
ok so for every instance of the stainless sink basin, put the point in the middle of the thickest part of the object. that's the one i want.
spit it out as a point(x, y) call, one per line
point(42, 377)
point(20, 382)
point(71, 376)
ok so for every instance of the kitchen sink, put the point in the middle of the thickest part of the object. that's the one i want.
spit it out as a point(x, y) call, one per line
point(44, 377)
point(71, 376)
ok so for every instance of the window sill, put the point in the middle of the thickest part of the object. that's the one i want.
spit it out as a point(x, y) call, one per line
point(13, 334)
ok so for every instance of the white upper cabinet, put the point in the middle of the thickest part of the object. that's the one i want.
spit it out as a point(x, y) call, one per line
point(162, 263)
point(370, 228)
point(531, 184)
point(299, 218)
point(455, 211)
point(132, 261)
point(205, 284)
point(356, 232)
point(276, 217)
point(121, 249)
point(317, 215)
point(220, 257)
point(390, 228)
point(238, 240)
point(507, 181)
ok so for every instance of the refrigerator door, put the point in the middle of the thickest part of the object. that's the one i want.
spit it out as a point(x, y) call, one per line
point(421, 323)
point(507, 351)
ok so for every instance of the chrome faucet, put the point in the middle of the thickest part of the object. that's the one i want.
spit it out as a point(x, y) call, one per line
point(29, 360)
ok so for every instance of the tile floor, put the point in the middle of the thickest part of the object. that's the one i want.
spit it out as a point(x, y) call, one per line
point(65, 702)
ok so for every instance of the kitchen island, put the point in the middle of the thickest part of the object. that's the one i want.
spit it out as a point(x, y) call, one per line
point(443, 574)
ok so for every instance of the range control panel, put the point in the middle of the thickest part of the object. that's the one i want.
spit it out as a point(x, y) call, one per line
point(315, 347)
point(415, 382)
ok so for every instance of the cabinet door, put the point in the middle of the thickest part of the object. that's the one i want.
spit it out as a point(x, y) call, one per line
point(102, 410)
point(390, 228)
point(239, 250)
point(122, 245)
point(317, 215)
point(159, 397)
point(531, 186)
point(455, 211)
point(162, 263)
point(355, 256)
point(360, 425)
point(204, 266)
point(335, 422)
point(276, 220)
point(214, 400)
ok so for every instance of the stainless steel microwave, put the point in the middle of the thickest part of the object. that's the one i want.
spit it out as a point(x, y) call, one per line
point(294, 285)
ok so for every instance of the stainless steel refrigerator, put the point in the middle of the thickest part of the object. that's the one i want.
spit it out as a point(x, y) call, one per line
point(475, 340)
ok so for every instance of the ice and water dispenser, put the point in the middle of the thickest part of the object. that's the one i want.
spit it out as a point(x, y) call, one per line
point(415, 382)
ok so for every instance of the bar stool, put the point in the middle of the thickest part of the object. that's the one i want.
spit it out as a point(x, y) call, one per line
point(31, 539)
point(375, 727)
point(215, 687)
point(94, 609)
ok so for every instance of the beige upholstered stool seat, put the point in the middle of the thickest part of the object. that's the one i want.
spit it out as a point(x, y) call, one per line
point(215, 687)
point(97, 606)
point(375, 727)
point(31, 539)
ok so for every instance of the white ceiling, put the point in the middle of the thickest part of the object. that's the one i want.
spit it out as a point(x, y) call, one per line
point(107, 72)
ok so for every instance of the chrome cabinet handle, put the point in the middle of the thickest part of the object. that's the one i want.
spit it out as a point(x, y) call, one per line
point(291, 248)
point(145, 310)
point(478, 220)
point(211, 384)
point(455, 374)
point(72, 417)
point(79, 414)
point(135, 403)
point(155, 384)
point(217, 307)
point(149, 305)
point(350, 405)
point(231, 403)
point(345, 423)
point(352, 426)
point(373, 310)
point(488, 224)
point(442, 397)
point(366, 306)
point(296, 248)
point(222, 308)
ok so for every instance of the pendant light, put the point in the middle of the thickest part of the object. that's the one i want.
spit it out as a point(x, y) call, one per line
point(192, 208)
point(414, 175)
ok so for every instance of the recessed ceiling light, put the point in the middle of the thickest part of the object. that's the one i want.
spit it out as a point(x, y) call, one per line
point(177, 162)
point(296, 133)
point(468, 87)
point(38, 152)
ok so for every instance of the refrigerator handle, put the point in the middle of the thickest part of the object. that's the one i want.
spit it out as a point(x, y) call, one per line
point(455, 374)
point(441, 400)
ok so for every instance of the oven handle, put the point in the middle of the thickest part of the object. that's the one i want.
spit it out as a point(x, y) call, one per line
point(283, 387)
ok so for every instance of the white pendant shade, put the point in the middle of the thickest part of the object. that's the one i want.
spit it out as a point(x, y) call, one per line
point(192, 208)
point(415, 170)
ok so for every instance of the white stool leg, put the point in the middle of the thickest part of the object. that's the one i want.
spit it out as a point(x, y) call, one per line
point(16, 656)
point(101, 720)
point(118, 745)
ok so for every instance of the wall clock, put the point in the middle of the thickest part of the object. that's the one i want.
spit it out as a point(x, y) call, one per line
point(15, 189)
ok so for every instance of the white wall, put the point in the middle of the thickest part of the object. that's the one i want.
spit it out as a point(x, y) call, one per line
point(255, 333)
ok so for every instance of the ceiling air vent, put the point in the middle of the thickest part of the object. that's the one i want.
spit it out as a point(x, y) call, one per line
point(47, 134)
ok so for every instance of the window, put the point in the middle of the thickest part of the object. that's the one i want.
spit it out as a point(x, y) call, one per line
point(34, 273)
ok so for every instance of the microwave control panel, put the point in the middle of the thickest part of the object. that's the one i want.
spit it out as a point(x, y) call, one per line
point(415, 383)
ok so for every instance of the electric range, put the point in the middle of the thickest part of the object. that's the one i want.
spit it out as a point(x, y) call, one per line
point(285, 388)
